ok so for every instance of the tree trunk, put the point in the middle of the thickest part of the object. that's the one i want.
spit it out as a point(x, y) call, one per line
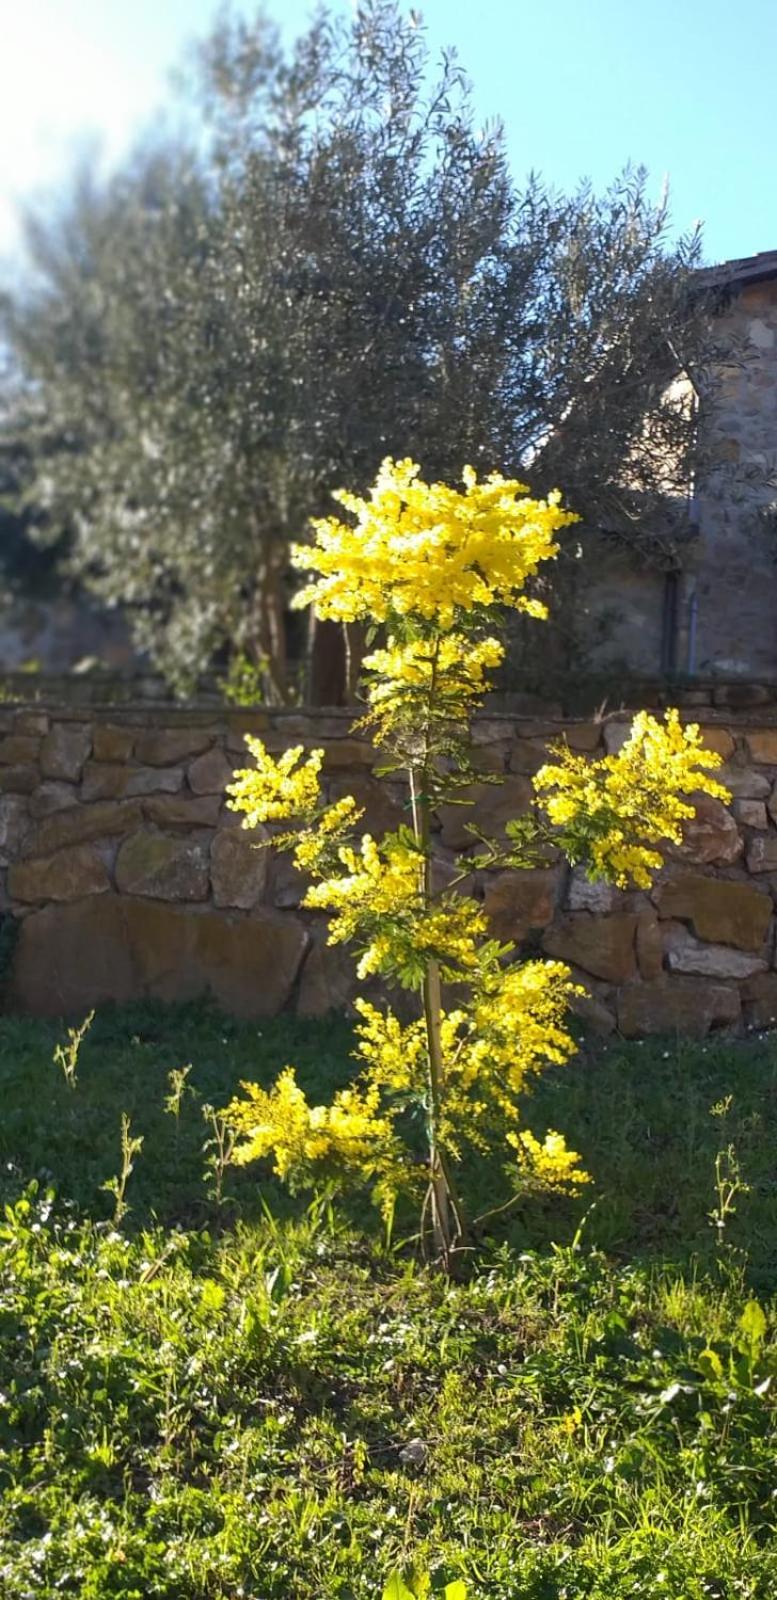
point(326, 669)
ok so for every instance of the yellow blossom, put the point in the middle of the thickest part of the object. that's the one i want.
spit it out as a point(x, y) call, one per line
point(419, 681)
point(551, 1164)
point(378, 900)
point(312, 845)
point(274, 791)
point(613, 810)
point(429, 551)
point(280, 1123)
point(394, 1053)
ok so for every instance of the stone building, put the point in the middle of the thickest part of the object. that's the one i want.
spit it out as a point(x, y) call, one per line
point(730, 590)
point(714, 618)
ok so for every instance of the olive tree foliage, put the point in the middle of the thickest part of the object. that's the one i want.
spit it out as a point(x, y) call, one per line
point(337, 266)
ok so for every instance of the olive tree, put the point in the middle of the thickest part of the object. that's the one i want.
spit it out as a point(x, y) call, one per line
point(336, 264)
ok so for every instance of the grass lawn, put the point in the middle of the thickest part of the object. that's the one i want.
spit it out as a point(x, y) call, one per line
point(266, 1399)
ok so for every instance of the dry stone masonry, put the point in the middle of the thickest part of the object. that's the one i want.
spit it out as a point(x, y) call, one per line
point(128, 877)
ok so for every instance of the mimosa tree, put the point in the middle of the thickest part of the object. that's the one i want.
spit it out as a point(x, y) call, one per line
point(434, 568)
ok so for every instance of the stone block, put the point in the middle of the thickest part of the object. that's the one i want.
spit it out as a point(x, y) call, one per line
point(584, 737)
point(163, 866)
point(211, 773)
point(745, 784)
point(719, 911)
point(346, 754)
point(67, 875)
point(69, 958)
point(14, 825)
point(65, 749)
point(287, 884)
point(19, 748)
point(381, 814)
point(18, 780)
point(719, 740)
point(528, 755)
point(593, 1011)
point(676, 1005)
point(759, 996)
point(183, 810)
point(154, 780)
point(673, 934)
point(649, 946)
point(740, 696)
point(589, 894)
point(517, 902)
point(688, 954)
point(762, 746)
point(751, 813)
point(328, 979)
point(117, 780)
point(240, 723)
point(82, 823)
point(248, 964)
point(238, 868)
point(615, 732)
point(165, 747)
point(711, 835)
point(113, 743)
point(35, 722)
point(762, 853)
point(603, 946)
point(107, 948)
point(492, 730)
point(52, 796)
point(494, 805)
point(491, 757)
point(104, 780)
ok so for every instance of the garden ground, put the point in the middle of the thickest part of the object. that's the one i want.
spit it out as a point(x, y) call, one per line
point(231, 1393)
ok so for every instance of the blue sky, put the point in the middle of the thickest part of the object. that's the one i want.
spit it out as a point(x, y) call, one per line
point(683, 86)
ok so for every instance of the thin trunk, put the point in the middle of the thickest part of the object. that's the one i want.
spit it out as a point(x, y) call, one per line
point(354, 635)
point(270, 622)
point(446, 1211)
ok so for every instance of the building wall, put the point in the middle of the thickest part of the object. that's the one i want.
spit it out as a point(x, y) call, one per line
point(734, 569)
point(127, 877)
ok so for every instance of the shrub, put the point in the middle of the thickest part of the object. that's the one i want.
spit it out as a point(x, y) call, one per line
point(433, 567)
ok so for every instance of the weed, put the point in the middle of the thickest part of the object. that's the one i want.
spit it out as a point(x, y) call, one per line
point(66, 1055)
point(117, 1185)
point(218, 1150)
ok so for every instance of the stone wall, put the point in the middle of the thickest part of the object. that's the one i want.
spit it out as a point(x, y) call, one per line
point(129, 878)
point(732, 573)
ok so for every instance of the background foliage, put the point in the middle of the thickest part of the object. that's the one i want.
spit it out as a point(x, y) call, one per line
point(334, 265)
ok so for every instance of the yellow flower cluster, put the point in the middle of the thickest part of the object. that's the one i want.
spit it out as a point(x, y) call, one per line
point(383, 878)
point(612, 810)
point(395, 1053)
point(378, 900)
point(422, 679)
point(549, 1165)
point(312, 845)
point(280, 1123)
point(518, 1020)
point(429, 551)
point(274, 791)
point(488, 1049)
point(454, 661)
